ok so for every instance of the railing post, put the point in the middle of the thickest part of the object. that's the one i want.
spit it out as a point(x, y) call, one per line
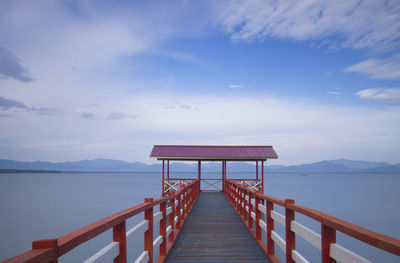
point(328, 236)
point(119, 235)
point(245, 204)
point(250, 225)
point(270, 228)
point(171, 219)
point(258, 217)
point(290, 235)
point(47, 243)
point(163, 229)
point(148, 235)
point(178, 211)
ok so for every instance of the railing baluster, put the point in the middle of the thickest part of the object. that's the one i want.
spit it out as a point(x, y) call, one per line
point(258, 217)
point(328, 236)
point(249, 214)
point(270, 228)
point(290, 235)
point(178, 211)
point(163, 229)
point(171, 220)
point(148, 235)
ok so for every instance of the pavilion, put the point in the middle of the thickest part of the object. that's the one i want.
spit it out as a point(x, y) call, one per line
point(201, 153)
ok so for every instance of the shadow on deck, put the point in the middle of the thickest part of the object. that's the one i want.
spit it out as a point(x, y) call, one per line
point(213, 232)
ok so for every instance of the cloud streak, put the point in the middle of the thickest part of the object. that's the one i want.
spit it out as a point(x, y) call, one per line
point(378, 68)
point(9, 104)
point(116, 115)
point(11, 66)
point(390, 96)
point(355, 24)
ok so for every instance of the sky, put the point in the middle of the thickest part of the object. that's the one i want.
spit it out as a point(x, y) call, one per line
point(93, 79)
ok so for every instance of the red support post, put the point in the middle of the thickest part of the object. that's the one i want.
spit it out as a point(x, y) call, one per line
point(270, 228)
point(222, 179)
point(257, 170)
point(250, 219)
point(262, 176)
point(178, 211)
point(168, 169)
point(163, 186)
point(290, 235)
point(258, 217)
point(148, 235)
point(47, 243)
point(163, 229)
point(328, 236)
point(199, 170)
point(245, 204)
point(171, 220)
point(119, 235)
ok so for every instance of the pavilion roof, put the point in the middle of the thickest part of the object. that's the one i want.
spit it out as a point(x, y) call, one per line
point(212, 152)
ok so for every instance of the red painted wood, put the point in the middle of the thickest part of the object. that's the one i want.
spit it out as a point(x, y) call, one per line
point(328, 236)
point(262, 176)
point(199, 170)
point(270, 228)
point(148, 235)
point(163, 228)
point(119, 235)
point(290, 235)
point(258, 217)
point(48, 243)
point(168, 169)
point(256, 170)
point(250, 219)
point(171, 220)
point(163, 183)
point(178, 210)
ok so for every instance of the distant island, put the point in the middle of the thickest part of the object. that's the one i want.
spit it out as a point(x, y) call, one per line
point(109, 165)
point(27, 171)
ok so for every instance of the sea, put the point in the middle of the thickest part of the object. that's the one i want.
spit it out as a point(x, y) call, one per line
point(37, 206)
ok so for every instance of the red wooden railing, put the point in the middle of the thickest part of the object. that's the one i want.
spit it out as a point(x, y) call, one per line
point(247, 204)
point(50, 250)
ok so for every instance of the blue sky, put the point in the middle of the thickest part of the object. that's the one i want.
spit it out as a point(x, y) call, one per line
point(87, 79)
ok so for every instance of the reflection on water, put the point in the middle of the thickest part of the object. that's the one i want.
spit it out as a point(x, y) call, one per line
point(39, 206)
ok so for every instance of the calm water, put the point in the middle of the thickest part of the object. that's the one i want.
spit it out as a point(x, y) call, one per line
point(40, 206)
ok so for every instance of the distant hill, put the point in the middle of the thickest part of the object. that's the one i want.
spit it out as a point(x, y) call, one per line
point(107, 165)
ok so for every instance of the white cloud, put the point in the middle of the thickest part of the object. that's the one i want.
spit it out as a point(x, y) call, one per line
point(391, 96)
point(232, 86)
point(378, 68)
point(323, 131)
point(355, 24)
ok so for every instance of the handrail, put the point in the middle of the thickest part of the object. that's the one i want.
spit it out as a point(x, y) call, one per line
point(244, 200)
point(49, 250)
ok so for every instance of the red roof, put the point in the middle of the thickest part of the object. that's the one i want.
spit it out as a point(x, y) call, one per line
point(209, 152)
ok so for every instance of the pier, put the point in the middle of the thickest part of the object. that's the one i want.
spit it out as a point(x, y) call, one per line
point(224, 225)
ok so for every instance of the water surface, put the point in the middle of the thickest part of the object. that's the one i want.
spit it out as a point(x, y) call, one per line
point(39, 206)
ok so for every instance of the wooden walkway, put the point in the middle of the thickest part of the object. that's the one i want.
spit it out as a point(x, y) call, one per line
point(213, 232)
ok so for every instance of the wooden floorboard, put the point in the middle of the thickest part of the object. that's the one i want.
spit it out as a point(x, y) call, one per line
point(213, 232)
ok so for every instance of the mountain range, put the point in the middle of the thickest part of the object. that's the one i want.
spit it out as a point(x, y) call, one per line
point(107, 165)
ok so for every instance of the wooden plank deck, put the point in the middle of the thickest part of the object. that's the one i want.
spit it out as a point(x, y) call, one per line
point(213, 232)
